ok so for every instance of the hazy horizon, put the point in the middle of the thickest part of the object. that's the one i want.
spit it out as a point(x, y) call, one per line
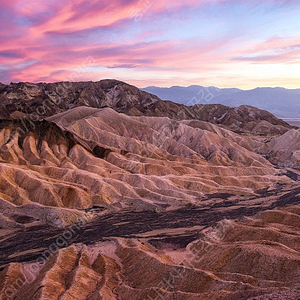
point(169, 86)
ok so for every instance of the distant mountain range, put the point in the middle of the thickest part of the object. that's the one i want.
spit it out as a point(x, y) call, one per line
point(284, 103)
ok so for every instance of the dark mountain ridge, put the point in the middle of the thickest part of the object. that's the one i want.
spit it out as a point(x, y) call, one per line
point(41, 100)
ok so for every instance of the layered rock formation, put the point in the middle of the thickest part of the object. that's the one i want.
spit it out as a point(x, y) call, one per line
point(106, 192)
point(285, 149)
point(89, 157)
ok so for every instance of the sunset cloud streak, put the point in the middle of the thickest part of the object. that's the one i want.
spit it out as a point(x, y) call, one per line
point(210, 42)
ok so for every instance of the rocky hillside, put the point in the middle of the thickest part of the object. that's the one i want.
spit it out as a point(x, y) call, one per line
point(110, 193)
point(42, 100)
point(104, 158)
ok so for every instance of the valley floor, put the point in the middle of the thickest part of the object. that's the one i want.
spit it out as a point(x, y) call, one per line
point(227, 248)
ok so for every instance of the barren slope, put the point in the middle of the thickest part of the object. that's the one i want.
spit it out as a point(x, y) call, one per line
point(98, 157)
point(242, 259)
point(119, 195)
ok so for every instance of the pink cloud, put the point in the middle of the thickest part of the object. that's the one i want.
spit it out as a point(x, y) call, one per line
point(170, 55)
point(48, 40)
point(273, 50)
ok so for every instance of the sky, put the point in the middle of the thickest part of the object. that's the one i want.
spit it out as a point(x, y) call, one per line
point(223, 43)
